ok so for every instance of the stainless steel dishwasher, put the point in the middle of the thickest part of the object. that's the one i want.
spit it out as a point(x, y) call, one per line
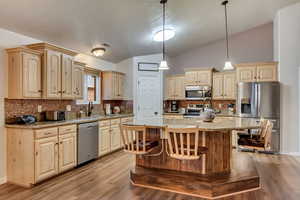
point(87, 142)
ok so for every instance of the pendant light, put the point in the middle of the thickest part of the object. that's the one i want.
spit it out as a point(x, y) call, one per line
point(164, 65)
point(228, 65)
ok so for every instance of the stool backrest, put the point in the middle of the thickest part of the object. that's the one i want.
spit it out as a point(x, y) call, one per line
point(183, 143)
point(267, 134)
point(134, 139)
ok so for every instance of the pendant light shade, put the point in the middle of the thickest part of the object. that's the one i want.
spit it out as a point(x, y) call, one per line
point(228, 65)
point(164, 65)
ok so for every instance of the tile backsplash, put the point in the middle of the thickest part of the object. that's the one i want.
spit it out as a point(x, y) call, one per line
point(17, 107)
point(216, 104)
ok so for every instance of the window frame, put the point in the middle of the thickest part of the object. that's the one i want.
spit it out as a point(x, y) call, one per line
point(85, 101)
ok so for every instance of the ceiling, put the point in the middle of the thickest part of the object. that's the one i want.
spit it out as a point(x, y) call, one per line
point(127, 25)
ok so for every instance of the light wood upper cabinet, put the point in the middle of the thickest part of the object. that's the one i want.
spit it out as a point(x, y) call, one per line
point(52, 75)
point(66, 77)
point(246, 74)
point(224, 86)
point(113, 85)
point(24, 73)
point(257, 72)
point(229, 86)
point(67, 151)
point(198, 77)
point(266, 72)
point(46, 151)
point(78, 80)
point(175, 87)
point(218, 80)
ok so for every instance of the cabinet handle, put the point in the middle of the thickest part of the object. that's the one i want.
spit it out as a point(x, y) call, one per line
point(36, 153)
point(60, 142)
point(40, 90)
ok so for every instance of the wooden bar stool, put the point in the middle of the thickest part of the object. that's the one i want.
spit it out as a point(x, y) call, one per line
point(184, 143)
point(261, 142)
point(135, 140)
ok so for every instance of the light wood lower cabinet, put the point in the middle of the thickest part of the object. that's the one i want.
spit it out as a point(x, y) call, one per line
point(110, 135)
point(35, 155)
point(46, 158)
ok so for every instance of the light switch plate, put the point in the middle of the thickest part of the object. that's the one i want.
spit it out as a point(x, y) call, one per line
point(68, 108)
point(40, 108)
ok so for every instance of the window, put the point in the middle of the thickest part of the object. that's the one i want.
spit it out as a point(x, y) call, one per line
point(91, 92)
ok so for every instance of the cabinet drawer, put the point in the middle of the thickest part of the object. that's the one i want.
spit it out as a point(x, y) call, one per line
point(48, 132)
point(67, 129)
point(104, 123)
point(127, 119)
point(115, 122)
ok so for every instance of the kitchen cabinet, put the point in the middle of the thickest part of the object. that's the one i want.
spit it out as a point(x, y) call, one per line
point(49, 151)
point(66, 77)
point(58, 66)
point(224, 86)
point(24, 73)
point(175, 89)
point(67, 151)
point(46, 164)
point(78, 80)
point(257, 72)
point(110, 135)
point(113, 85)
point(198, 77)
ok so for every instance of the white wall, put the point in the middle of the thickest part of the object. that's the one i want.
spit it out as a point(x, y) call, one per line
point(10, 39)
point(126, 66)
point(287, 52)
point(250, 46)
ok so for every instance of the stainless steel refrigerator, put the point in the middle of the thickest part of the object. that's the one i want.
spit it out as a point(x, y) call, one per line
point(261, 100)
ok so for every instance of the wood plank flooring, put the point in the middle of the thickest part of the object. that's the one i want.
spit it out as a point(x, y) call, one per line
point(108, 179)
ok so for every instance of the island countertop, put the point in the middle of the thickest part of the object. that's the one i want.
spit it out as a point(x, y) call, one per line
point(219, 123)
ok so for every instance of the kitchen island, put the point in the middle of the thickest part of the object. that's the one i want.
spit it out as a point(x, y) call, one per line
point(217, 173)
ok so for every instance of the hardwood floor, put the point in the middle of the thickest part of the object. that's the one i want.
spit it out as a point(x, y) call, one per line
point(108, 179)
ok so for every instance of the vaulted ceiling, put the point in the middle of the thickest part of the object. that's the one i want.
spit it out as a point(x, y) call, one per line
point(128, 25)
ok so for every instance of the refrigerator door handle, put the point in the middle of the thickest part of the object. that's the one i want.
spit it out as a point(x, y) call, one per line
point(258, 96)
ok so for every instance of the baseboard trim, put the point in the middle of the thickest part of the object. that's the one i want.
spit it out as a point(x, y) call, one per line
point(3, 180)
point(291, 153)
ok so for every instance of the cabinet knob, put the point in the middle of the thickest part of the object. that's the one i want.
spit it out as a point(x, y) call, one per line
point(40, 90)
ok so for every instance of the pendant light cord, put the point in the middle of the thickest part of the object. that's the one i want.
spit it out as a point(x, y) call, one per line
point(226, 25)
point(164, 22)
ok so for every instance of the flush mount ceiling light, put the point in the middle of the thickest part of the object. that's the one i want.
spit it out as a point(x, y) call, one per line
point(169, 34)
point(228, 64)
point(164, 65)
point(99, 51)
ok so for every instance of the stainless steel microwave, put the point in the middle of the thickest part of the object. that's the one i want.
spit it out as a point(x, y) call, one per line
point(198, 92)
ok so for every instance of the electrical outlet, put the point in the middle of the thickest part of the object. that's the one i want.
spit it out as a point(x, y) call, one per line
point(220, 105)
point(68, 108)
point(39, 108)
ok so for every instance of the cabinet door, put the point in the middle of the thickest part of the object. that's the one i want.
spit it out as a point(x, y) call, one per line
point(78, 81)
point(53, 74)
point(170, 89)
point(179, 92)
point(115, 86)
point(246, 74)
point(121, 82)
point(218, 86)
point(204, 77)
point(115, 139)
point(229, 86)
point(66, 77)
point(46, 158)
point(104, 140)
point(191, 78)
point(67, 151)
point(267, 73)
point(32, 76)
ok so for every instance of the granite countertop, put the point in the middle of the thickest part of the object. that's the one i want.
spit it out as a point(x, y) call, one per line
point(219, 123)
point(222, 114)
point(47, 124)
